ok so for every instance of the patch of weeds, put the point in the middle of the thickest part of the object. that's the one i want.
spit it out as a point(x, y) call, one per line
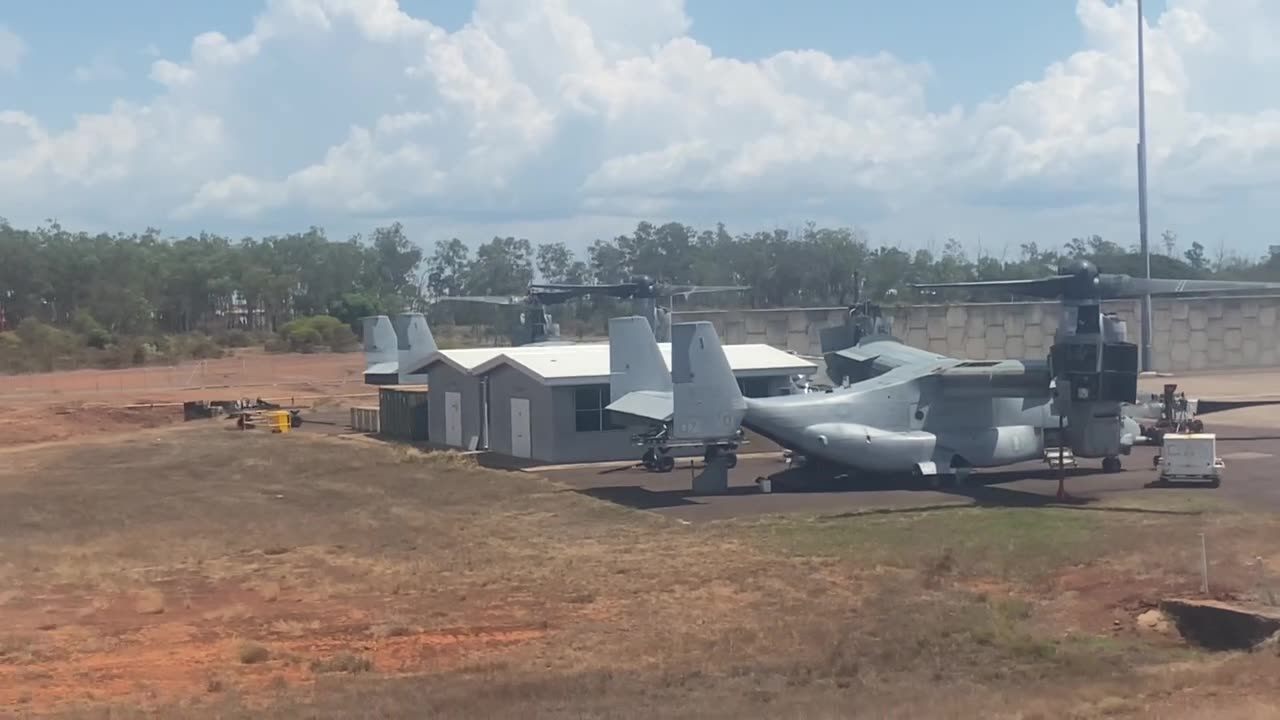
point(938, 568)
point(1016, 543)
point(390, 630)
point(278, 683)
point(946, 636)
point(18, 650)
point(149, 602)
point(342, 663)
point(252, 653)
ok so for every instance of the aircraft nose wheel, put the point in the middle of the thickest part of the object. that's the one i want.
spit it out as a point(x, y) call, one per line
point(1111, 465)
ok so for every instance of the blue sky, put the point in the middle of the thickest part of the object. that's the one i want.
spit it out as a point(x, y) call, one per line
point(1006, 42)
point(1022, 126)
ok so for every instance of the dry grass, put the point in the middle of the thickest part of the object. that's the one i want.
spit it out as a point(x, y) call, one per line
point(392, 583)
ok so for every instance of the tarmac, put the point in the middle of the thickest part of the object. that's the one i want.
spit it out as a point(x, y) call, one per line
point(1249, 478)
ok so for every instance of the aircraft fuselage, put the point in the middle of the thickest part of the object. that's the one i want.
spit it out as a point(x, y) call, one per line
point(905, 421)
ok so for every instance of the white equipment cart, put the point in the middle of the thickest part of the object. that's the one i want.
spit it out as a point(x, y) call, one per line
point(1190, 458)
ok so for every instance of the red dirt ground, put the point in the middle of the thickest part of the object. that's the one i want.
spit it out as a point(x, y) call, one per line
point(68, 405)
point(73, 648)
point(254, 370)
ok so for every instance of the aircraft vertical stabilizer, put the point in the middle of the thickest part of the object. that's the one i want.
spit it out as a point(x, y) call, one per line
point(415, 343)
point(707, 404)
point(379, 340)
point(635, 362)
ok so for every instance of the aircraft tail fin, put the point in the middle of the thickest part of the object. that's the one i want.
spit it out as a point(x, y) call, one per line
point(415, 341)
point(706, 401)
point(379, 337)
point(635, 362)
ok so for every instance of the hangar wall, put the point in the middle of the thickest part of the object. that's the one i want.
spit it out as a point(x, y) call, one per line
point(1190, 334)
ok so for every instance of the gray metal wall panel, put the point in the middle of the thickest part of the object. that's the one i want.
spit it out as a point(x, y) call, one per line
point(445, 378)
point(506, 383)
point(573, 446)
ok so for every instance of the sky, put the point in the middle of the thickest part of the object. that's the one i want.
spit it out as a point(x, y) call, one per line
point(994, 122)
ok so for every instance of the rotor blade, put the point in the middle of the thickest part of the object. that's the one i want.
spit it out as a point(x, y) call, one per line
point(1205, 407)
point(488, 299)
point(553, 297)
point(1041, 287)
point(571, 287)
point(687, 290)
point(1125, 286)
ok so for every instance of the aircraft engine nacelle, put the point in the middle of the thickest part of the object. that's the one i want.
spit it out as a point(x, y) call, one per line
point(993, 446)
point(868, 448)
point(1114, 330)
point(988, 380)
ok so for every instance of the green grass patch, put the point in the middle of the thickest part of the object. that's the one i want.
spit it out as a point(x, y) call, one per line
point(1013, 543)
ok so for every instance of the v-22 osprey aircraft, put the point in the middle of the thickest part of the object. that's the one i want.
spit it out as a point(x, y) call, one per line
point(928, 415)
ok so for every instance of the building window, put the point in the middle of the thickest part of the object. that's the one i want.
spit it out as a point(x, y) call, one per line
point(754, 387)
point(589, 403)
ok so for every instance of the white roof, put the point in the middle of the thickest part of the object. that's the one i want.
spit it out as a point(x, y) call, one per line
point(589, 362)
point(464, 360)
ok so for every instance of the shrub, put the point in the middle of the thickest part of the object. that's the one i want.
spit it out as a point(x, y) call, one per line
point(309, 334)
point(95, 336)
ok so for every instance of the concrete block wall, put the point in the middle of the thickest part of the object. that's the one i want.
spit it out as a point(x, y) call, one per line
point(1192, 334)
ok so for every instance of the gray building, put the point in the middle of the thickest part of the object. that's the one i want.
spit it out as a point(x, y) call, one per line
point(546, 403)
point(455, 416)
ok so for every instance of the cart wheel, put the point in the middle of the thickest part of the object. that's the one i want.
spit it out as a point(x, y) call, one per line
point(1215, 482)
point(731, 460)
point(666, 464)
point(1197, 426)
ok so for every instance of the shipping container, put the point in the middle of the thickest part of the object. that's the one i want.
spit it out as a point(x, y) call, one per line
point(365, 419)
point(402, 412)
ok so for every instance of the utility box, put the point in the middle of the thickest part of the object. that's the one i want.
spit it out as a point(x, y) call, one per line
point(1190, 457)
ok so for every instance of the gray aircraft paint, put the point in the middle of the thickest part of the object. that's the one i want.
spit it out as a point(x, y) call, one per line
point(923, 412)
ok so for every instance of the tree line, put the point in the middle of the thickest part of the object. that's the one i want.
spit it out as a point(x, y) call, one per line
point(102, 287)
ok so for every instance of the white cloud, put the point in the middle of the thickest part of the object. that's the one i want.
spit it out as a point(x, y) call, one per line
point(546, 110)
point(12, 50)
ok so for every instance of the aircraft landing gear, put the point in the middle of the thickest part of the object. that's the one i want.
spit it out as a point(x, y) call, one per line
point(1111, 464)
point(729, 457)
point(657, 460)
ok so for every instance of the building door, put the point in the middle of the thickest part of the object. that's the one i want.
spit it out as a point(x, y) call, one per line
point(453, 419)
point(520, 442)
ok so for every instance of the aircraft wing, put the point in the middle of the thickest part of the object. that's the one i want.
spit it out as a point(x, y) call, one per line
point(877, 357)
point(994, 378)
point(647, 404)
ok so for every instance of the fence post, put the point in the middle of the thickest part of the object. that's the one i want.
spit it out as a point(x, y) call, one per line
point(1204, 565)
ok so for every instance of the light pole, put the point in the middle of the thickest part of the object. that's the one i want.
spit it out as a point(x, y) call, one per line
point(1142, 198)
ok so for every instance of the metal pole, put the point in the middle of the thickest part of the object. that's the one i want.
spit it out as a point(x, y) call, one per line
point(1204, 565)
point(1145, 311)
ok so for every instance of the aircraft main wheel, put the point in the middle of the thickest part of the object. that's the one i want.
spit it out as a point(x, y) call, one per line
point(1111, 465)
point(731, 460)
point(666, 464)
point(650, 459)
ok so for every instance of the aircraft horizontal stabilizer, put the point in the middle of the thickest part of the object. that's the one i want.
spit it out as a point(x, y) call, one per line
point(646, 404)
